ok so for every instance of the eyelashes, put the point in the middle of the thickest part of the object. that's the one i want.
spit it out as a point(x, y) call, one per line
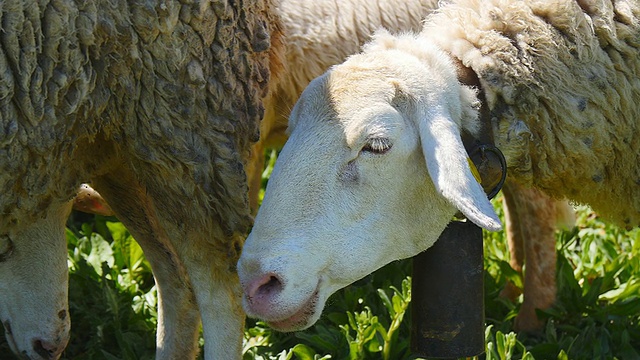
point(377, 146)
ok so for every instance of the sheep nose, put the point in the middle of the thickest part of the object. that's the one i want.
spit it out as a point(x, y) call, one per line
point(263, 290)
point(46, 349)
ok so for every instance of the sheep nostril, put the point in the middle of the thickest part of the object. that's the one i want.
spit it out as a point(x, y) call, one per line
point(62, 314)
point(265, 287)
point(46, 349)
point(274, 285)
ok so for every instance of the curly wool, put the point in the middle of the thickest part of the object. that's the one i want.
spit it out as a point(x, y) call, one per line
point(561, 81)
point(172, 88)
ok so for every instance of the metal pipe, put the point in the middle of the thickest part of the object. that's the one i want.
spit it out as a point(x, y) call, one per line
point(448, 295)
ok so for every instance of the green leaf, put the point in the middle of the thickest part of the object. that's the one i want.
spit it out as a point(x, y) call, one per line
point(100, 252)
point(510, 274)
point(72, 239)
point(374, 345)
point(626, 290)
point(87, 229)
point(562, 355)
point(303, 352)
point(385, 300)
point(500, 345)
point(118, 231)
point(136, 256)
point(398, 304)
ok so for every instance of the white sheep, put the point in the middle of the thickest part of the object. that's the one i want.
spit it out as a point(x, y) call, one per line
point(375, 168)
point(155, 104)
point(317, 35)
point(33, 286)
point(320, 34)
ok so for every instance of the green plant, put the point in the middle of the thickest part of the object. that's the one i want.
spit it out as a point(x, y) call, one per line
point(113, 302)
point(502, 346)
point(112, 296)
point(372, 336)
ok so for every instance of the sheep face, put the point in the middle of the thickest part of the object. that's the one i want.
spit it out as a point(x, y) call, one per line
point(33, 286)
point(373, 171)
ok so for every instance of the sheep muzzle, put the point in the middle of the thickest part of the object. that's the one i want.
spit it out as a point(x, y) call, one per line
point(6, 247)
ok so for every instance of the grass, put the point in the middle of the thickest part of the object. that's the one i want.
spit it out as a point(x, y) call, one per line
point(112, 301)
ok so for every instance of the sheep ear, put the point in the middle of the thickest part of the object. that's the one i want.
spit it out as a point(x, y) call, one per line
point(88, 200)
point(449, 169)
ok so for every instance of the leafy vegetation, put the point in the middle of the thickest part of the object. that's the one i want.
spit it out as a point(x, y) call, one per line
point(597, 314)
point(112, 292)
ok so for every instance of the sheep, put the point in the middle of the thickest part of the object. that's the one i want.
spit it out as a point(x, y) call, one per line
point(375, 168)
point(33, 278)
point(155, 104)
point(314, 42)
point(318, 35)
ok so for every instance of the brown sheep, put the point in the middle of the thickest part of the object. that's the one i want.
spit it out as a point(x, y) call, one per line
point(156, 104)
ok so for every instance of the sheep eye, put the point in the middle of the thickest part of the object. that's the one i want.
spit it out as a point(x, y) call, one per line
point(377, 146)
point(6, 247)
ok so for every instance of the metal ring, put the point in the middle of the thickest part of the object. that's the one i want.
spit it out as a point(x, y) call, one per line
point(503, 165)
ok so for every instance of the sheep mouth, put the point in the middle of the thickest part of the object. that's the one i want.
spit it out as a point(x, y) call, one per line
point(299, 320)
point(8, 335)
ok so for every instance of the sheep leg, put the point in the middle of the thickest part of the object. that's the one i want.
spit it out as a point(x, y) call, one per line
point(221, 310)
point(272, 135)
point(531, 233)
point(514, 241)
point(254, 168)
point(178, 316)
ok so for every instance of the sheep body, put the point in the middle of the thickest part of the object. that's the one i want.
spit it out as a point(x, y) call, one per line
point(561, 82)
point(84, 71)
point(334, 188)
point(323, 33)
point(155, 103)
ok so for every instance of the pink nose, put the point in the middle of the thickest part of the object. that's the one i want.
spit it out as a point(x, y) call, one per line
point(263, 291)
point(47, 349)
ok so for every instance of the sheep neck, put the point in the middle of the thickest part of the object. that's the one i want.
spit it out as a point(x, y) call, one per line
point(480, 147)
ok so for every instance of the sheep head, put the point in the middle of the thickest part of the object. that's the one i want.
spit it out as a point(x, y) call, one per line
point(34, 283)
point(373, 171)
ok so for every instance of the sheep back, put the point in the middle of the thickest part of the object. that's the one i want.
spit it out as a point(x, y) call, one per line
point(309, 27)
point(562, 82)
point(171, 88)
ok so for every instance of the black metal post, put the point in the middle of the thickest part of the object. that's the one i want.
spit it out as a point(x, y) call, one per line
point(448, 295)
